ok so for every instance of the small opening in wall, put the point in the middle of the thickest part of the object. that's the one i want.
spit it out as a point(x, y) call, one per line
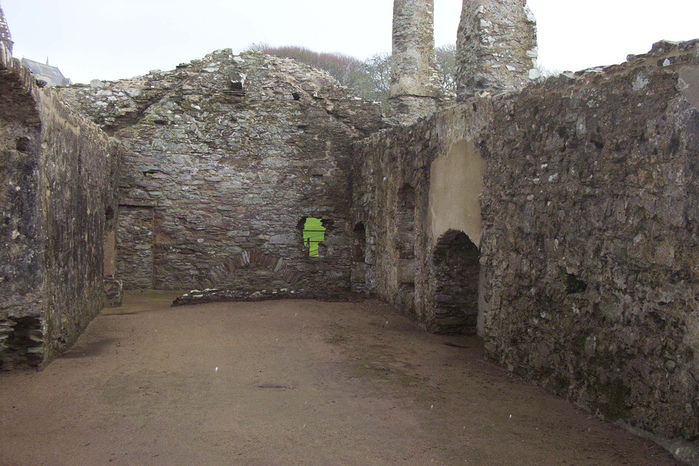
point(147, 172)
point(574, 284)
point(313, 230)
point(296, 96)
point(358, 242)
point(23, 144)
point(109, 213)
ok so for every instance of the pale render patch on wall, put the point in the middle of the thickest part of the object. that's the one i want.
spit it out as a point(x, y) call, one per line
point(456, 182)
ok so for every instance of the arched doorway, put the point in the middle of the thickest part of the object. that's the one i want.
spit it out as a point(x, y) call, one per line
point(456, 274)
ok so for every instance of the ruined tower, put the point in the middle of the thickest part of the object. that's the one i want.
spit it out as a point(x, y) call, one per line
point(5, 36)
point(414, 88)
point(496, 47)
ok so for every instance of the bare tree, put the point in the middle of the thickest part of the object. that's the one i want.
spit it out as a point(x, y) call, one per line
point(348, 70)
point(370, 79)
point(445, 58)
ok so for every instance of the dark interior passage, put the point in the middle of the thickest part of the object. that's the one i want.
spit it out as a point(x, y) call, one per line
point(456, 269)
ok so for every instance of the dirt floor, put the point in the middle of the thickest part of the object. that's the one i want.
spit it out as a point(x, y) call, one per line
point(289, 382)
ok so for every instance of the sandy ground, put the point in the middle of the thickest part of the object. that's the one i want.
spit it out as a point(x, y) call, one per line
point(289, 382)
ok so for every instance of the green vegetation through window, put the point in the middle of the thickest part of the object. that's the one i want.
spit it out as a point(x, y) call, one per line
point(313, 234)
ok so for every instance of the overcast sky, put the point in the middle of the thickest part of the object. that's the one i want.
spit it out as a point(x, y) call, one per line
point(111, 39)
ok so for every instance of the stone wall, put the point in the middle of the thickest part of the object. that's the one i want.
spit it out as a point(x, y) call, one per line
point(591, 238)
point(414, 89)
point(415, 189)
point(56, 185)
point(230, 155)
point(586, 252)
point(496, 47)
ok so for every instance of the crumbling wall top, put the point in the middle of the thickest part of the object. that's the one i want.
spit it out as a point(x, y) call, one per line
point(414, 89)
point(496, 47)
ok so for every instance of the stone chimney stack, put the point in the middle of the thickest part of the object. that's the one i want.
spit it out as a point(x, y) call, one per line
point(414, 89)
point(496, 47)
point(5, 36)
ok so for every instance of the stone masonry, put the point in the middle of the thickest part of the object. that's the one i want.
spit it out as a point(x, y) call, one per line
point(231, 154)
point(555, 218)
point(591, 238)
point(496, 47)
point(587, 232)
point(57, 175)
point(414, 90)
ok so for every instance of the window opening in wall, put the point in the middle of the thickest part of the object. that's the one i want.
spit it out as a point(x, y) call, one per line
point(313, 235)
point(149, 171)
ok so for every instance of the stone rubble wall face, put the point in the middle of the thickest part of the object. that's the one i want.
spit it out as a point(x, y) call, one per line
point(414, 89)
point(22, 270)
point(591, 218)
point(384, 164)
point(57, 183)
point(589, 249)
point(413, 70)
point(221, 177)
point(496, 47)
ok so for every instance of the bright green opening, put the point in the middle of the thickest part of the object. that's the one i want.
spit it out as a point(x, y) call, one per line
point(313, 233)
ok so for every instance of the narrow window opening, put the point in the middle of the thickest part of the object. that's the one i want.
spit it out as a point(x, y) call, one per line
point(313, 230)
point(358, 242)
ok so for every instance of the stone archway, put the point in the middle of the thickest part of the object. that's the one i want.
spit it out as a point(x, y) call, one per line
point(456, 271)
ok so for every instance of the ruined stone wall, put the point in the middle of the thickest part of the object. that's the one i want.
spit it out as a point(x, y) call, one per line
point(231, 154)
point(56, 174)
point(22, 237)
point(496, 47)
point(414, 89)
point(591, 238)
point(588, 242)
point(404, 219)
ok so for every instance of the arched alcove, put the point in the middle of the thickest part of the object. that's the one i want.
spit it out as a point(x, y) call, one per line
point(456, 274)
point(358, 243)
